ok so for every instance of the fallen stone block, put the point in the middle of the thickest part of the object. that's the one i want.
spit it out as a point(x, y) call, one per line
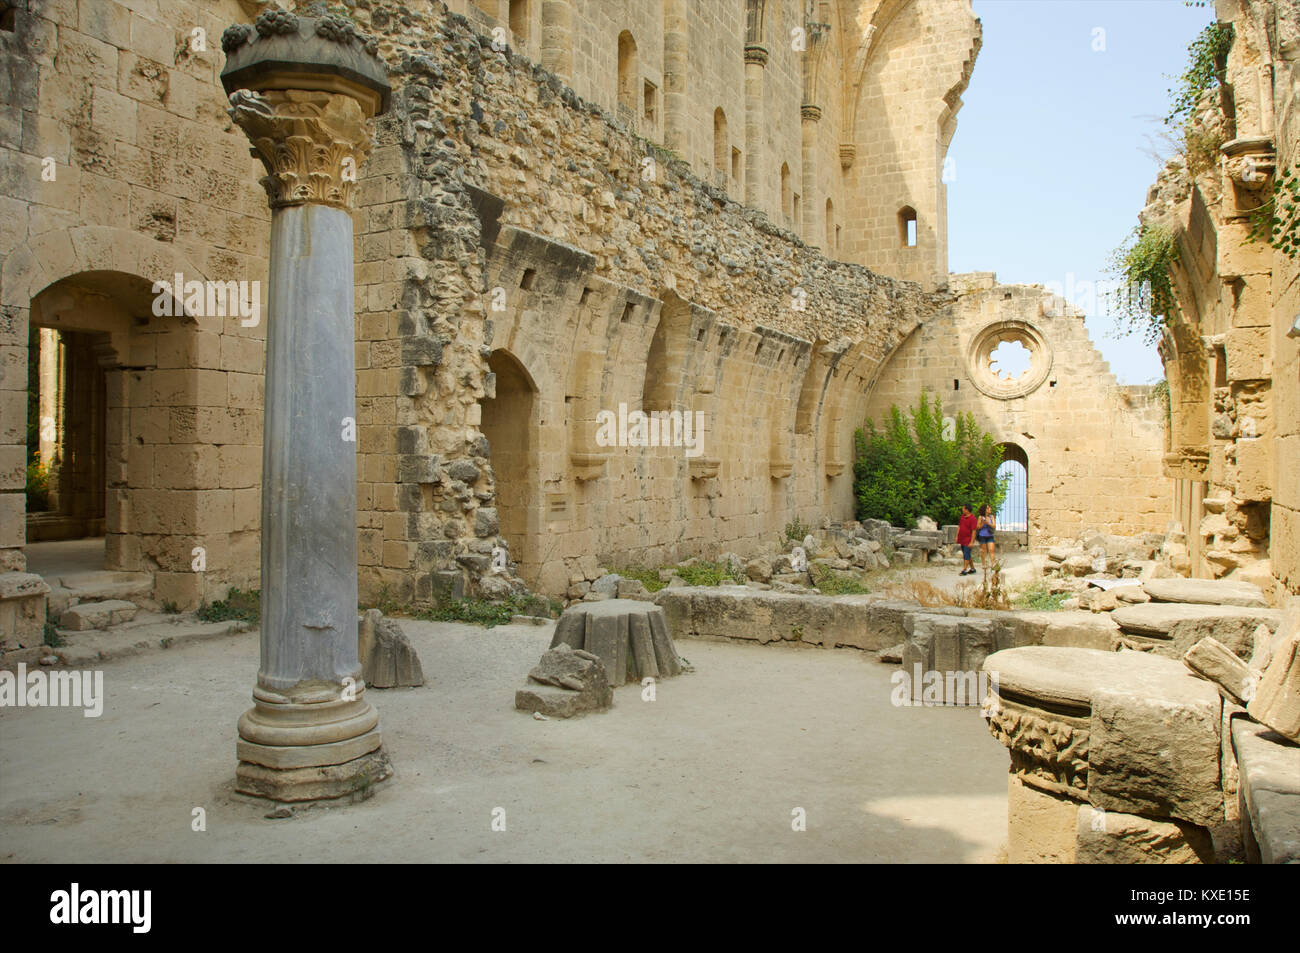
point(564, 683)
point(1277, 699)
point(388, 660)
point(1215, 662)
point(1156, 619)
point(1220, 592)
point(97, 615)
point(1268, 792)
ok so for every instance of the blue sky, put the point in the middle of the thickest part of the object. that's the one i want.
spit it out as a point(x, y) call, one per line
point(1051, 157)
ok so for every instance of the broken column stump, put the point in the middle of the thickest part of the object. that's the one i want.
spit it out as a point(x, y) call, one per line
point(388, 660)
point(630, 637)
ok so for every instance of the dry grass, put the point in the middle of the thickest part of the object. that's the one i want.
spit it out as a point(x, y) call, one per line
point(971, 596)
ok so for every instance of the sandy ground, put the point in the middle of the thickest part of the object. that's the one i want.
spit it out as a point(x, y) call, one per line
point(709, 771)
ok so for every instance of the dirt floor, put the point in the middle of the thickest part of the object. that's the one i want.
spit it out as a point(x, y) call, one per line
point(712, 770)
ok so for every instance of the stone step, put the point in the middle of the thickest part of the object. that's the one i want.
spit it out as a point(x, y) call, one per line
point(97, 615)
point(83, 649)
point(70, 588)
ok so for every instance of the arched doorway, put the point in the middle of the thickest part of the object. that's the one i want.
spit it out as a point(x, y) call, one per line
point(509, 422)
point(1013, 514)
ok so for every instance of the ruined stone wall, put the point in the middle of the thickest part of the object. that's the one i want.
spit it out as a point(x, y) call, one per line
point(1094, 447)
point(597, 286)
point(1230, 362)
point(859, 105)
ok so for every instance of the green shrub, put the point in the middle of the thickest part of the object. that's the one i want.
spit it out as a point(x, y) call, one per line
point(476, 611)
point(833, 583)
point(908, 469)
point(38, 485)
point(705, 573)
point(241, 605)
point(1039, 596)
point(647, 577)
point(796, 530)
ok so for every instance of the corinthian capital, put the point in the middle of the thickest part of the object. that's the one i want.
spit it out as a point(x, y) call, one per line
point(312, 143)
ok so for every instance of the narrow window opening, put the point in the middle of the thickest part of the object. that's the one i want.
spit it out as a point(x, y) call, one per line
point(956, 384)
point(9, 19)
point(735, 165)
point(628, 310)
point(527, 281)
point(907, 226)
point(1220, 366)
point(651, 102)
point(586, 293)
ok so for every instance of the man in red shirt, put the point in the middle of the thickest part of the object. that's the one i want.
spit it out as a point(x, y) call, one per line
point(965, 533)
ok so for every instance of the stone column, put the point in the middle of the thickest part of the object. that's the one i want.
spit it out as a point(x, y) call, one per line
point(755, 120)
point(814, 212)
point(303, 90)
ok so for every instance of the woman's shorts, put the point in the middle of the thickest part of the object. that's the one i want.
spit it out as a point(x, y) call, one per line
point(984, 537)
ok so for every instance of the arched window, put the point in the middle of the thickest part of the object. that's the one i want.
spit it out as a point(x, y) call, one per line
point(721, 146)
point(907, 226)
point(830, 227)
point(628, 77)
point(787, 196)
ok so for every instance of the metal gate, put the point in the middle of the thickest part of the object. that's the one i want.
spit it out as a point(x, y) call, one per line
point(1013, 514)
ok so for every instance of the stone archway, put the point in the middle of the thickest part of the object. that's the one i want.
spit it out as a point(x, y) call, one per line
point(172, 458)
point(510, 423)
point(1013, 514)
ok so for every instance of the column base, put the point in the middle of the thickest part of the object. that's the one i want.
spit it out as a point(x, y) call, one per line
point(315, 783)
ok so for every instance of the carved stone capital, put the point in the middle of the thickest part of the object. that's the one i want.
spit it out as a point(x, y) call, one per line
point(810, 112)
point(1049, 750)
point(312, 143)
point(756, 55)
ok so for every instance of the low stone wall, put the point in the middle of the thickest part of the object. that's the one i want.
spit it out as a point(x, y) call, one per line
point(861, 622)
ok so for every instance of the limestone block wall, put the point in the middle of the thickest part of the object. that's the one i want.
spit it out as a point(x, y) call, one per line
point(1094, 447)
point(917, 64)
point(1284, 550)
point(531, 277)
point(856, 108)
point(118, 169)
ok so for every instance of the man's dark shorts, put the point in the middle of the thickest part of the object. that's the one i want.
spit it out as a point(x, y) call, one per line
point(965, 553)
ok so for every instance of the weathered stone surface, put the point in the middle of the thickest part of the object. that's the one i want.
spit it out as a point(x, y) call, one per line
point(564, 683)
point(1040, 826)
point(97, 615)
point(1277, 700)
point(1156, 619)
point(949, 645)
point(1269, 792)
point(1215, 662)
point(615, 630)
point(1114, 837)
point(1220, 592)
point(388, 660)
point(1155, 751)
point(1126, 731)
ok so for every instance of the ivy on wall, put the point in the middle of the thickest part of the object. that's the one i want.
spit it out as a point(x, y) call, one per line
point(1277, 220)
point(1145, 298)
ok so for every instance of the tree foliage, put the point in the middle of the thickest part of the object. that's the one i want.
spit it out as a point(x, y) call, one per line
point(924, 466)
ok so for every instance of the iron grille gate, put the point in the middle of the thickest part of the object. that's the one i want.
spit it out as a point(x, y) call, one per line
point(1013, 514)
